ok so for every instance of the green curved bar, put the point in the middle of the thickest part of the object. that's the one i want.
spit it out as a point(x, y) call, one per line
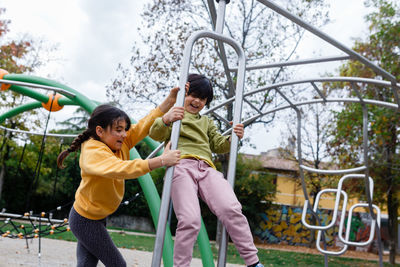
point(148, 187)
point(29, 92)
point(153, 200)
point(15, 111)
point(79, 98)
point(204, 246)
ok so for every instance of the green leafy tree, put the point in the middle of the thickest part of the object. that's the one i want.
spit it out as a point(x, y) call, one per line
point(254, 188)
point(12, 56)
point(75, 124)
point(17, 56)
point(381, 47)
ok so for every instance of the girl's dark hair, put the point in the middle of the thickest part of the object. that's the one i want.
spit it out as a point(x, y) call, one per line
point(200, 87)
point(104, 116)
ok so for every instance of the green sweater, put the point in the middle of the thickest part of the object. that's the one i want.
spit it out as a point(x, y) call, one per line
point(199, 137)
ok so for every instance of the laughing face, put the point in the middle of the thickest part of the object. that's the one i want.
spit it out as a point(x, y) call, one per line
point(113, 136)
point(194, 104)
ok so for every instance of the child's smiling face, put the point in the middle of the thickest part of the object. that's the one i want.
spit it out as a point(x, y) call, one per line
point(194, 104)
point(113, 136)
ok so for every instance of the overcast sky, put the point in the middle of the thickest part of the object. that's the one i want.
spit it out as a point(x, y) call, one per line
point(94, 36)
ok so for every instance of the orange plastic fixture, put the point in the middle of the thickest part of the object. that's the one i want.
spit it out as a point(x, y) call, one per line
point(4, 86)
point(55, 106)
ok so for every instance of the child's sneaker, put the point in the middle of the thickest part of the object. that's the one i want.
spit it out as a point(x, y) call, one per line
point(259, 265)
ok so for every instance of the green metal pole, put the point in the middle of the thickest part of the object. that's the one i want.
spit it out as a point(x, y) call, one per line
point(202, 239)
point(79, 98)
point(15, 111)
point(29, 92)
point(153, 199)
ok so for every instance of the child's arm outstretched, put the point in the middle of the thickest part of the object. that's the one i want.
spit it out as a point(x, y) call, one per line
point(168, 158)
point(161, 128)
point(169, 102)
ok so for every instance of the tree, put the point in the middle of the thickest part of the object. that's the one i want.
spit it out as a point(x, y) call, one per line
point(16, 56)
point(254, 188)
point(381, 47)
point(315, 134)
point(75, 124)
point(264, 35)
point(11, 55)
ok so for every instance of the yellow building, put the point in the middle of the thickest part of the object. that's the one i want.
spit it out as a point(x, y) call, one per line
point(288, 185)
point(282, 223)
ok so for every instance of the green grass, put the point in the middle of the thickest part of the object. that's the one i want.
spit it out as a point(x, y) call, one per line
point(267, 257)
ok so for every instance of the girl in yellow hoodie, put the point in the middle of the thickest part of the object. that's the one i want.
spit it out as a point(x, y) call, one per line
point(105, 164)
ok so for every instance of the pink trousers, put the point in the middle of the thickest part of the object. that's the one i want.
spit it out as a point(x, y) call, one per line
point(192, 179)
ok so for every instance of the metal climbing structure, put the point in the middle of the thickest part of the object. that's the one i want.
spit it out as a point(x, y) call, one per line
point(361, 172)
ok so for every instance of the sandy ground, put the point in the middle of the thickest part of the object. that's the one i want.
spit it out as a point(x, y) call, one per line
point(54, 253)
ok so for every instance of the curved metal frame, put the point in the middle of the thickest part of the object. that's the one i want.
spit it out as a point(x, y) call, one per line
point(348, 227)
point(319, 233)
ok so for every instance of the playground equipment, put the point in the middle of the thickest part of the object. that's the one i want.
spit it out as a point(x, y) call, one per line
point(218, 19)
point(159, 210)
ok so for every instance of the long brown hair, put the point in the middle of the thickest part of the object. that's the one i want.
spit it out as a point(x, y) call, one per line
point(104, 116)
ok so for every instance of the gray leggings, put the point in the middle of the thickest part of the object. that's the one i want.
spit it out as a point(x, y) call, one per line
point(94, 242)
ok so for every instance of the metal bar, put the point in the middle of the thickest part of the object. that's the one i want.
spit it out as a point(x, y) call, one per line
point(318, 101)
point(34, 85)
point(287, 100)
point(294, 62)
point(213, 12)
point(374, 222)
point(36, 133)
point(219, 26)
point(358, 169)
point(318, 79)
point(234, 142)
point(327, 38)
point(252, 106)
point(220, 117)
point(21, 217)
point(353, 86)
point(369, 194)
point(318, 91)
point(324, 79)
point(221, 47)
point(325, 251)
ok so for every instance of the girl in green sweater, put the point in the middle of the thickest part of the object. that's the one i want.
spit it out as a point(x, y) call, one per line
point(195, 175)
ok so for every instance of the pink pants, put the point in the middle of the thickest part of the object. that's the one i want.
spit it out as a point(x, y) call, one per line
point(193, 178)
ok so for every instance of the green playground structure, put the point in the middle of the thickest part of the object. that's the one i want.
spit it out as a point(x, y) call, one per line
point(63, 96)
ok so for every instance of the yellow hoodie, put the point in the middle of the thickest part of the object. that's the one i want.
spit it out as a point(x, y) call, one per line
point(104, 172)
